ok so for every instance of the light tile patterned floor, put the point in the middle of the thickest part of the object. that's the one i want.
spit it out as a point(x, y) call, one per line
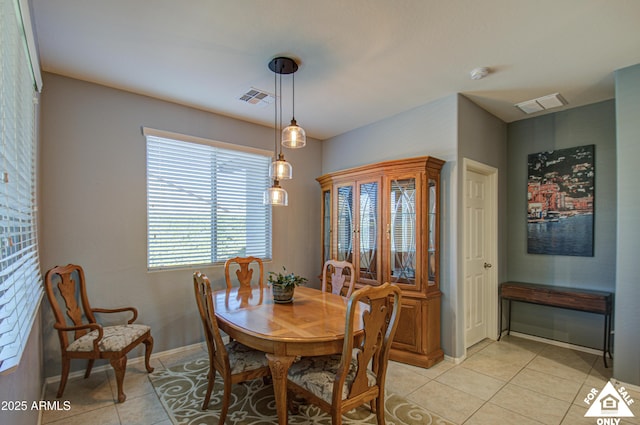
point(514, 381)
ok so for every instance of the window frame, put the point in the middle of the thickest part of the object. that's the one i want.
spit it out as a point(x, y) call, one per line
point(223, 187)
point(21, 288)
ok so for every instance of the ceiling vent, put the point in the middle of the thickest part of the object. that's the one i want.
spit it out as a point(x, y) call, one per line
point(257, 97)
point(543, 103)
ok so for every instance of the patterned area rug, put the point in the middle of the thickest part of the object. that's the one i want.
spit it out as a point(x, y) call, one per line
point(181, 390)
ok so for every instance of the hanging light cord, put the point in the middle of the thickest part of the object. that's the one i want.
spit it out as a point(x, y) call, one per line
point(293, 97)
point(280, 128)
point(275, 117)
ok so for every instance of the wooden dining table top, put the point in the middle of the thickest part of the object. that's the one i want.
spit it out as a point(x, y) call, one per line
point(312, 317)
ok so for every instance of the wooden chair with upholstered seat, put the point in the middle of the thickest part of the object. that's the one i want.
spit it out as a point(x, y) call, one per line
point(234, 362)
point(245, 272)
point(335, 270)
point(341, 382)
point(90, 340)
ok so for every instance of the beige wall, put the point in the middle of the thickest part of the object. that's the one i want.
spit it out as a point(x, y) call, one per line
point(93, 204)
point(25, 382)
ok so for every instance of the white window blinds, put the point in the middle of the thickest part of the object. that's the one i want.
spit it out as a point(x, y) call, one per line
point(20, 279)
point(204, 201)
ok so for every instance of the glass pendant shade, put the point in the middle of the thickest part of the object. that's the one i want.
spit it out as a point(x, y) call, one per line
point(294, 136)
point(276, 196)
point(280, 169)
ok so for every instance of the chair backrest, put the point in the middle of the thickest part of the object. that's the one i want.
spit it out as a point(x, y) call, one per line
point(245, 272)
point(372, 350)
point(336, 271)
point(67, 294)
point(204, 301)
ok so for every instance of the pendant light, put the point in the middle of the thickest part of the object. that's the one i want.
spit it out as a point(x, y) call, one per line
point(276, 195)
point(294, 136)
point(280, 169)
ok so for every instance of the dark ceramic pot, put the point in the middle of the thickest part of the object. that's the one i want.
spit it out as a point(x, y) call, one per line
point(282, 294)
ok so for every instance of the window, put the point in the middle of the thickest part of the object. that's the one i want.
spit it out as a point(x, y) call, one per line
point(204, 201)
point(20, 280)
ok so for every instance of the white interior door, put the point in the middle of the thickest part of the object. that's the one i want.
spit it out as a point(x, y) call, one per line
point(477, 257)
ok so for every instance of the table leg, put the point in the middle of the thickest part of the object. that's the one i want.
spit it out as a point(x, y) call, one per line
point(279, 366)
point(605, 344)
point(500, 318)
point(509, 320)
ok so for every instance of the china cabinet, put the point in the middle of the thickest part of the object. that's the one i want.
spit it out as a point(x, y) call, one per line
point(384, 218)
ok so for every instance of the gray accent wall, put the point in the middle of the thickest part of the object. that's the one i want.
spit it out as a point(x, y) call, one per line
point(482, 137)
point(426, 130)
point(626, 366)
point(93, 205)
point(592, 124)
point(450, 128)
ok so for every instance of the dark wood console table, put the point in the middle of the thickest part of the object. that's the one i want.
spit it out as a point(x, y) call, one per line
point(599, 302)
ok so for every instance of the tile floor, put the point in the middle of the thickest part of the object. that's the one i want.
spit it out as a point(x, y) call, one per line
point(514, 381)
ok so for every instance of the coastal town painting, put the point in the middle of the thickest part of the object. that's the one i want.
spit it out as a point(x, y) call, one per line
point(560, 202)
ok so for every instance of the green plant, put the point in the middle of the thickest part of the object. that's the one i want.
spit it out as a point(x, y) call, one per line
point(285, 279)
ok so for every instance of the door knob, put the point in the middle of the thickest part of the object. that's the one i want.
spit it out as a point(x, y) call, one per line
point(487, 265)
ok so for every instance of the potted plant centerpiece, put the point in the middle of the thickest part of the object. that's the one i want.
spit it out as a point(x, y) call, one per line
point(283, 284)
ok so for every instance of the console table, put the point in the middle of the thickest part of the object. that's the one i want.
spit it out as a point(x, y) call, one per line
point(599, 302)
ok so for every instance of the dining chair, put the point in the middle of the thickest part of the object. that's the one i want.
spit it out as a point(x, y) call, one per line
point(67, 293)
point(234, 362)
point(245, 272)
point(341, 382)
point(335, 270)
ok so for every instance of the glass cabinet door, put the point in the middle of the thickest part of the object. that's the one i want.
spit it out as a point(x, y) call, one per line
point(402, 231)
point(432, 223)
point(368, 238)
point(344, 223)
point(326, 225)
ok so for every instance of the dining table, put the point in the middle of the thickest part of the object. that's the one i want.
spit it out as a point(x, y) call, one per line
point(312, 324)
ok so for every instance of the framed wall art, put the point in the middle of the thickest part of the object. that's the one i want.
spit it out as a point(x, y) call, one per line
point(560, 202)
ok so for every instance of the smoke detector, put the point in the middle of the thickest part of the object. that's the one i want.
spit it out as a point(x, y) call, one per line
point(479, 73)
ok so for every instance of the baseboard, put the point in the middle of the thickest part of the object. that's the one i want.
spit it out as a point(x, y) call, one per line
point(558, 343)
point(458, 360)
point(42, 394)
point(619, 384)
point(455, 360)
point(79, 373)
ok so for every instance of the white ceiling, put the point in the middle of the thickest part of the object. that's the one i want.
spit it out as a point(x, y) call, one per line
point(360, 60)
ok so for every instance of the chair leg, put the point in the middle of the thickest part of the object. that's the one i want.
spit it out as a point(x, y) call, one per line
point(66, 364)
point(89, 367)
point(379, 402)
point(148, 343)
point(226, 398)
point(211, 377)
point(336, 417)
point(119, 365)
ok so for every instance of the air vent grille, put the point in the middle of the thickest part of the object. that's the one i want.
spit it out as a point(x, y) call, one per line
point(255, 96)
point(549, 101)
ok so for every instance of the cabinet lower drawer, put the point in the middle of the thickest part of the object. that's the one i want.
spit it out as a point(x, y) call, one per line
point(417, 339)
